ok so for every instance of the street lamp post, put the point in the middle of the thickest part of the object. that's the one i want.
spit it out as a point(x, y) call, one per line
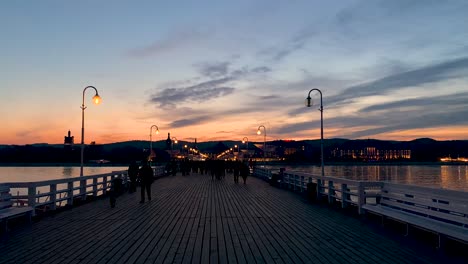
point(264, 140)
point(174, 140)
point(238, 149)
point(151, 138)
point(309, 104)
point(246, 140)
point(96, 100)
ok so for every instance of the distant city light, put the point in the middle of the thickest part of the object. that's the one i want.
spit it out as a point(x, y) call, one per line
point(449, 159)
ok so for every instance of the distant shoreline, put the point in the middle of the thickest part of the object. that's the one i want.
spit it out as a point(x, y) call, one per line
point(336, 163)
point(414, 163)
point(58, 164)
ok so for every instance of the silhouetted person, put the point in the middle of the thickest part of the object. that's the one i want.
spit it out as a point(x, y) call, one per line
point(133, 174)
point(146, 177)
point(174, 167)
point(237, 167)
point(115, 190)
point(112, 195)
point(245, 171)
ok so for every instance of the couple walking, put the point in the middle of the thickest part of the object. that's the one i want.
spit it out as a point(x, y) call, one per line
point(145, 175)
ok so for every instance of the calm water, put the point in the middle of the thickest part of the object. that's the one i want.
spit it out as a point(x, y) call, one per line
point(454, 177)
point(447, 176)
point(31, 174)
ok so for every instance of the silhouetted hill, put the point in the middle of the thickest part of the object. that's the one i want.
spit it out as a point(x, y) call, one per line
point(422, 149)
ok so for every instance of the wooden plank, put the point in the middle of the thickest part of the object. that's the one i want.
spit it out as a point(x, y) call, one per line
point(177, 253)
point(194, 219)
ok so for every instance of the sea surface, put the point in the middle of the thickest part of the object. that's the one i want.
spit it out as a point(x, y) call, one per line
point(454, 177)
point(32, 174)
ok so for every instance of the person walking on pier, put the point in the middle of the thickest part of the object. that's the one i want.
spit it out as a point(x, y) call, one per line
point(133, 174)
point(146, 178)
point(244, 172)
point(237, 167)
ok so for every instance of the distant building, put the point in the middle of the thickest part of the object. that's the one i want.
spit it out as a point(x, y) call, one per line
point(168, 141)
point(69, 141)
point(371, 154)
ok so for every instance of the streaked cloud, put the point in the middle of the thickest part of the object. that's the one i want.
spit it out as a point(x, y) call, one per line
point(166, 43)
point(199, 92)
point(214, 70)
point(295, 43)
point(430, 74)
point(402, 115)
point(434, 102)
point(188, 122)
point(207, 90)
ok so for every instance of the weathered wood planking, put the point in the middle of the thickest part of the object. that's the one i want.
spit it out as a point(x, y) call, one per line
point(192, 219)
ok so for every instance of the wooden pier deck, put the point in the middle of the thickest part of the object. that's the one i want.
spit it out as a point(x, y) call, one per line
point(192, 219)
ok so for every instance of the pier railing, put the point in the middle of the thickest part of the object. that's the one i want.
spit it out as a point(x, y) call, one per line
point(53, 194)
point(433, 203)
point(333, 189)
point(440, 211)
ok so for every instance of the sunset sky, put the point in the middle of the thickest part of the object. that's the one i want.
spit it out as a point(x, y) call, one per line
point(216, 70)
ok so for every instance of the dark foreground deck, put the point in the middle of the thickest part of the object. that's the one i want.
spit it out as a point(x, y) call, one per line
point(193, 219)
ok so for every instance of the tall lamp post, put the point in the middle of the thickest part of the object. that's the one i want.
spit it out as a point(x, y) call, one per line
point(151, 138)
point(264, 140)
point(96, 100)
point(238, 149)
point(246, 140)
point(309, 103)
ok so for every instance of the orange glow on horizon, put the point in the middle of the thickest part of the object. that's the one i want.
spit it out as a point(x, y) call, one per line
point(118, 128)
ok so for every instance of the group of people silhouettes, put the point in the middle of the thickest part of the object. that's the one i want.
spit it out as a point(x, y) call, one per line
point(143, 176)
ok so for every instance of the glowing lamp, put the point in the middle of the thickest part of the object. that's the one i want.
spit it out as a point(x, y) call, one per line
point(97, 99)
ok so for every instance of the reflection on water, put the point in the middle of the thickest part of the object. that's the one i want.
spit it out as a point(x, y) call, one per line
point(440, 176)
point(33, 174)
point(68, 172)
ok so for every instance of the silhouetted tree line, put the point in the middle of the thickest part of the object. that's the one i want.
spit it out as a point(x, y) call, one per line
point(92, 153)
point(422, 150)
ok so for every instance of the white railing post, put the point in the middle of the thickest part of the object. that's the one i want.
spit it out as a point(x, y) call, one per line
point(104, 185)
point(302, 183)
point(319, 188)
point(294, 182)
point(330, 192)
point(111, 181)
point(70, 193)
point(95, 186)
point(53, 196)
point(32, 198)
point(344, 195)
point(361, 198)
point(83, 189)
